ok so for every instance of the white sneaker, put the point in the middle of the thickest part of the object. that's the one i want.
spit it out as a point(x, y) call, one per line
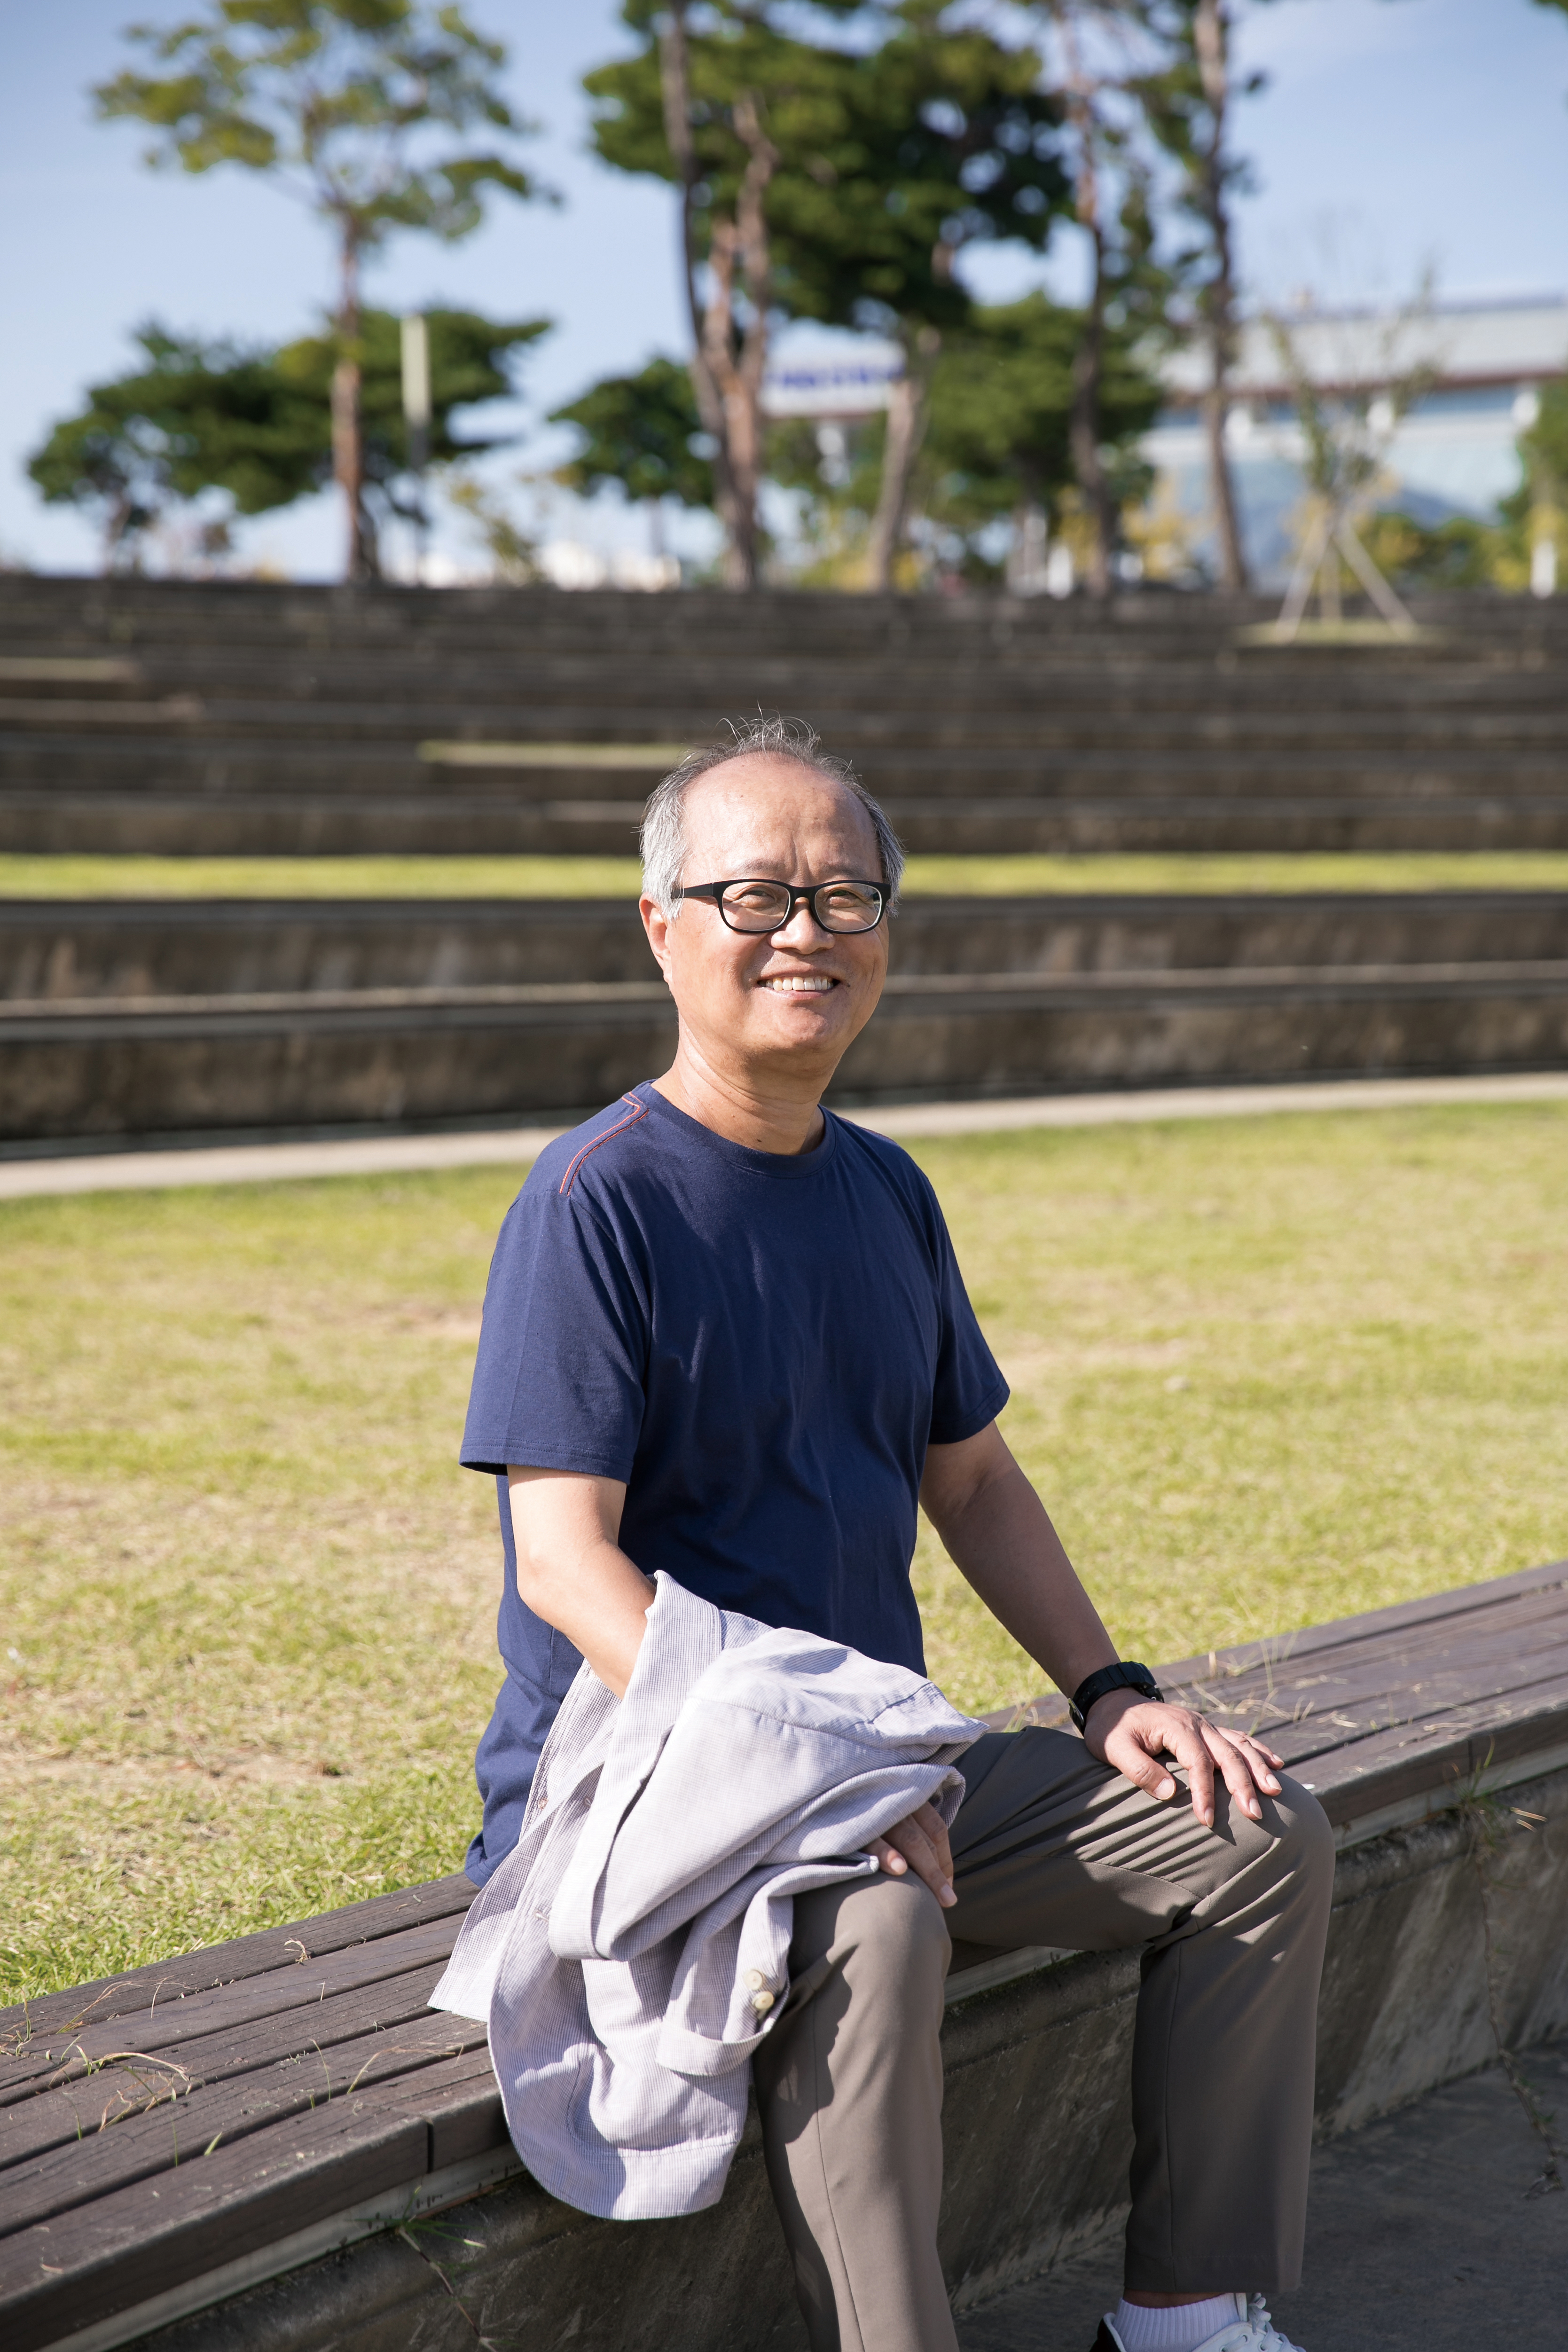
point(1251, 2330)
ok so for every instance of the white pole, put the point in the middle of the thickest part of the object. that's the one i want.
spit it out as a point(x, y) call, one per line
point(416, 417)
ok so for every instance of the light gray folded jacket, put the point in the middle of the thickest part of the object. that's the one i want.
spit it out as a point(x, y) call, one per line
point(632, 1950)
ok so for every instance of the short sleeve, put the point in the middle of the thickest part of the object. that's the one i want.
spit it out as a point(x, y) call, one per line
point(560, 1378)
point(968, 1391)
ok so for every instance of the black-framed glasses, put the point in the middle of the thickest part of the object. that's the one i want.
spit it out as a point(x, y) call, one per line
point(762, 906)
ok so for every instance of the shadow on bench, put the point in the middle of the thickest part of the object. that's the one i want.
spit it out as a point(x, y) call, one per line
point(274, 2142)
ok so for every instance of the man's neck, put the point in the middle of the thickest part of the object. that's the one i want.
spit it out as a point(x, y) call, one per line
point(740, 1110)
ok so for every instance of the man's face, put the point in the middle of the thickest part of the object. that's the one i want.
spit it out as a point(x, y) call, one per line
point(759, 1006)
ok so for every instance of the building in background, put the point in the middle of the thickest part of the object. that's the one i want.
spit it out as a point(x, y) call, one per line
point(1453, 453)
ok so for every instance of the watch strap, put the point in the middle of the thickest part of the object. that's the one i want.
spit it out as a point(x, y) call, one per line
point(1127, 1674)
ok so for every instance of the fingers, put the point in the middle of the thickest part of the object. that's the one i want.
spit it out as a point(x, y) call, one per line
point(920, 1843)
point(1136, 1743)
point(1262, 1773)
point(935, 1828)
point(1141, 1764)
point(1244, 1770)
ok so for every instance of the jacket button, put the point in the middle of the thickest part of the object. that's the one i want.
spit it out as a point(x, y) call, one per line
point(762, 2002)
point(755, 1980)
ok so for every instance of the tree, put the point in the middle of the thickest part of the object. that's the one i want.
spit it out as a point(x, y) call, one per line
point(1346, 430)
point(1095, 41)
point(254, 425)
point(691, 108)
point(640, 431)
point(344, 102)
point(1186, 101)
point(997, 448)
point(827, 182)
point(943, 139)
point(196, 418)
point(1005, 408)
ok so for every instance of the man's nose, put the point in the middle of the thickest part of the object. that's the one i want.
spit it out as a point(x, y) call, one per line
point(802, 931)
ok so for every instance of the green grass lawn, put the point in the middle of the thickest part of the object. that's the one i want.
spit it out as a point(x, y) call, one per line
point(588, 877)
point(1265, 1373)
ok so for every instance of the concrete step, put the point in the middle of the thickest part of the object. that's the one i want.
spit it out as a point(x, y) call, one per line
point(550, 767)
point(124, 612)
point(128, 1066)
point(985, 724)
point(81, 950)
point(318, 823)
point(1037, 674)
point(253, 719)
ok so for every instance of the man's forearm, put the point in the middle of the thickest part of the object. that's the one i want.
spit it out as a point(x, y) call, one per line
point(1000, 1536)
point(573, 1573)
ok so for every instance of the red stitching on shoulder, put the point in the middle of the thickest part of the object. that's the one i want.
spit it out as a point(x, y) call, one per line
point(636, 1110)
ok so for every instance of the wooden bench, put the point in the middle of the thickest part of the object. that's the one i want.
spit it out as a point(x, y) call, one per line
point(243, 2147)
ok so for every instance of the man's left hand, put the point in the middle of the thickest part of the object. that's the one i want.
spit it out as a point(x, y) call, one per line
point(1133, 1735)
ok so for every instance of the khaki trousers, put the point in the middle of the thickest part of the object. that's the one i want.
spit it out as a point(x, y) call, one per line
point(1050, 1847)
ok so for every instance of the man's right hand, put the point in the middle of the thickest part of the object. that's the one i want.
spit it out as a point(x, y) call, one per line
point(919, 1843)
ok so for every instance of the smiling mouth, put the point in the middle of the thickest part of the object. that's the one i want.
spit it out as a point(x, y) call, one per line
point(789, 983)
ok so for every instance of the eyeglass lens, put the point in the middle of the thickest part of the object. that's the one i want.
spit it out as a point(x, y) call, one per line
point(837, 906)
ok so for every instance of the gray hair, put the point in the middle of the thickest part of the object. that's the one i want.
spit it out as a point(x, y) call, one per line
point(664, 818)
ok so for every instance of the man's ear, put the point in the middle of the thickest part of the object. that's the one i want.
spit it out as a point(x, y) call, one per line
point(657, 924)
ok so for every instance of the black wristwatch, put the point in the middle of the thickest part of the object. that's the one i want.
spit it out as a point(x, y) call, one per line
point(1127, 1675)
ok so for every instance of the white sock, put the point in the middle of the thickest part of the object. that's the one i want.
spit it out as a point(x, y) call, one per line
point(1178, 2327)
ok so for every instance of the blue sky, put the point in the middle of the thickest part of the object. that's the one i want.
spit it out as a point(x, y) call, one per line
point(1392, 132)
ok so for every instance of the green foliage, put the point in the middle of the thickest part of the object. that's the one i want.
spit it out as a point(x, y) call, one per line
point(1455, 553)
point(640, 431)
point(255, 425)
point(1185, 117)
point(329, 94)
point(1001, 407)
point(893, 156)
point(999, 416)
point(473, 359)
point(197, 417)
point(1543, 449)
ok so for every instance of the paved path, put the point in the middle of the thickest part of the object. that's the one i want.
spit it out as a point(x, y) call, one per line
point(374, 1155)
point(1422, 2236)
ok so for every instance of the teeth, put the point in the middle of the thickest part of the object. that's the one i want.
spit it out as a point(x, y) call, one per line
point(795, 986)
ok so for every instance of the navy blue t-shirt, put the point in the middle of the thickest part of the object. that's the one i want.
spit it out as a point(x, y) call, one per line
point(761, 1345)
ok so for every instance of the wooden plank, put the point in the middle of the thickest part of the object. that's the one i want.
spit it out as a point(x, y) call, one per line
point(1397, 1665)
point(245, 1955)
point(1374, 1624)
point(285, 1991)
point(168, 2135)
point(466, 2116)
point(1312, 1713)
point(1397, 1765)
point(68, 2105)
point(110, 2255)
point(1400, 1702)
point(60, 2276)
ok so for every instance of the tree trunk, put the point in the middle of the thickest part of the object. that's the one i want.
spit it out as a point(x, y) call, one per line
point(726, 368)
point(1084, 433)
point(906, 406)
point(1211, 43)
point(1222, 490)
point(348, 446)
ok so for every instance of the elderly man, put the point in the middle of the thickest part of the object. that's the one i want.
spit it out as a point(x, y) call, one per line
point(725, 1335)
